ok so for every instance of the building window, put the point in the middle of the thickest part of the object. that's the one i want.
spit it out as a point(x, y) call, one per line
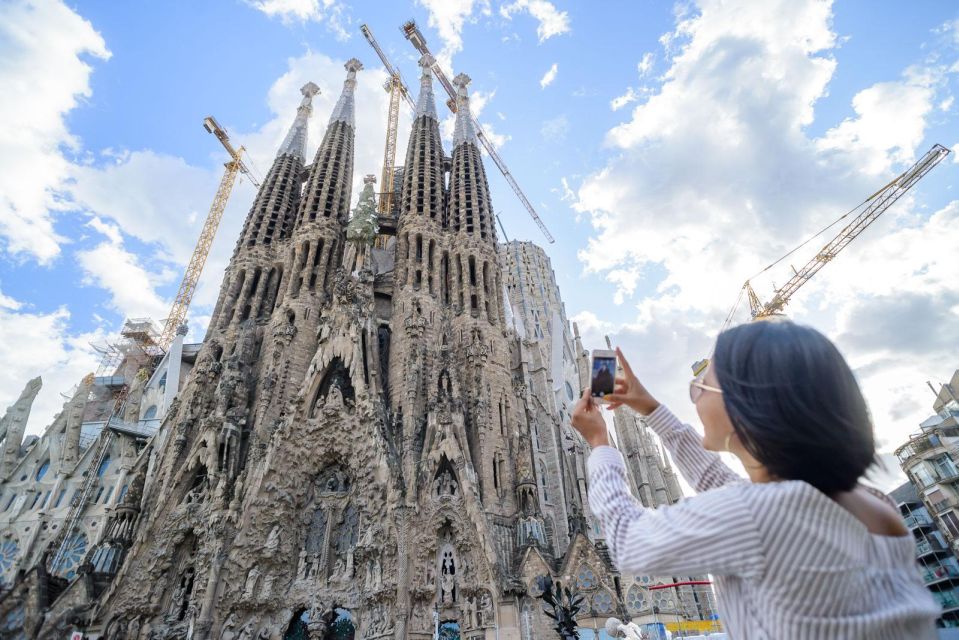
point(923, 475)
point(36, 498)
point(945, 467)
point(951, 521)
point(103, 466)
point(63, 492)
point(123, 492)
point(106, 500)
point(150, 413)
point(10, 502)
point(42, 471)
point(569, 391)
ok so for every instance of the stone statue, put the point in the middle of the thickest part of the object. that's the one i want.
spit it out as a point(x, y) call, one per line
point(485, 611)
point(229, 628)
point(272, 542)
point(249, 588)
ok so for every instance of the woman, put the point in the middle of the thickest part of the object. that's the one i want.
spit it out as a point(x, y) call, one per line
point(801, 550)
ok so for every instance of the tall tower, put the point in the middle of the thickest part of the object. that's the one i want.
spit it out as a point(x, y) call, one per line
point(308, 262)
point(421, 288)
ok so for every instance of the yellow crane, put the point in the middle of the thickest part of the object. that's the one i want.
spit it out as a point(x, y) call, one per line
point(871, 208)
point(415, 36)
point(181, 303)
point(397, 90)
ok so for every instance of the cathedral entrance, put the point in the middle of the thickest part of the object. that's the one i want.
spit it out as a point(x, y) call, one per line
point(449, 630)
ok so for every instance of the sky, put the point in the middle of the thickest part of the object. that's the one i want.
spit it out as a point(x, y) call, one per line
point(673, 150)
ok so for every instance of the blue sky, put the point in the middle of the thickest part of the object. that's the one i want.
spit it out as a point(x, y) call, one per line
point(676, 149)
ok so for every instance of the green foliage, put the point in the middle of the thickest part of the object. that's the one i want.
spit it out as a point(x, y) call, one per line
point(562, 605)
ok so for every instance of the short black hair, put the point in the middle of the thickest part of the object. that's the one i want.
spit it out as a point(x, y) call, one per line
point(795, 404)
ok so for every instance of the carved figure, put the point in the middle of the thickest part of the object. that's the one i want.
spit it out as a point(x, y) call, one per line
point(249, 587)
point(272, 541)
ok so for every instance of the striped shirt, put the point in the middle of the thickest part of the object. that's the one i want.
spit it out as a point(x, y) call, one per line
point(787, 561)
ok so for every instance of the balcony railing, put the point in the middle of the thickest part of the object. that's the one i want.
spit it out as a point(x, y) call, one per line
point(918, 445)
point(947, 599)
point(940, 571)
point(929, 545)
point(917, 520)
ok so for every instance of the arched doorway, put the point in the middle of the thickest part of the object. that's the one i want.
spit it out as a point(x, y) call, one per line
point(449, 630)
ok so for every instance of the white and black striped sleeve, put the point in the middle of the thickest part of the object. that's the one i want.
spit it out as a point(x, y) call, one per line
point(702, 469)
point(710, 533)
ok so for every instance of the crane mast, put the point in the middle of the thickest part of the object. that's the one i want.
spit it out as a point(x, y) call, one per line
point(415, 36)
point(878, 203)
point(397, 90)
point(181, 304)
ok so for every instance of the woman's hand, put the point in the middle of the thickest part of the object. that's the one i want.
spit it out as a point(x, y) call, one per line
point(630, 391)
point(589, 421)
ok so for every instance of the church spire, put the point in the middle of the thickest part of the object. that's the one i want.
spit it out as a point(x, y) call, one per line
point(295, 142)
point(344, 109)
point(425, 103)
point(464, 130)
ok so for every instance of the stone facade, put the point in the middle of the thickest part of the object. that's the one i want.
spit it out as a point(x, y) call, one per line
point(44, 488)
point(367, 445)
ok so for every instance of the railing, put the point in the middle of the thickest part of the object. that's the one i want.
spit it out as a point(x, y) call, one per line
point(940, 571)
point(929, 545)
point(917, 445)
point(918, 520)
point(947, 599)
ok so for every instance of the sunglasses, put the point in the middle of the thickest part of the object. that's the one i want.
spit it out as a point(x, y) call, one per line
point(697, 388)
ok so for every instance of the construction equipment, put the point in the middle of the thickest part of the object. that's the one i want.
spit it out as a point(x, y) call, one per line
point(875, 205)
point(397, 90)
point(871, 208)
point(415, 36)
point(181, 303)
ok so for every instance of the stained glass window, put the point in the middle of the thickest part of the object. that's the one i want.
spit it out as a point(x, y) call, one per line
point(103, 466)
point(635, 599)
point(42, 471)
point(586, 579)
point(603, 602)
point(76, 548)
point(8, 554)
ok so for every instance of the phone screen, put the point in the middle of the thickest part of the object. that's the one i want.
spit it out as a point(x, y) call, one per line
point(604, 372)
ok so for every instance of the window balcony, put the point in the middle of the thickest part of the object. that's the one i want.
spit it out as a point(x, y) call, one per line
point(947, 599)
point(940, 572)
point(919, 521)
point(918, 445)
point(925, 546)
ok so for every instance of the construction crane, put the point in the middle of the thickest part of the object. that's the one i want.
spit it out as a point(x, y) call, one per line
point(872, 207)
point(415, 36)
point(181, 303)
point(397, 90)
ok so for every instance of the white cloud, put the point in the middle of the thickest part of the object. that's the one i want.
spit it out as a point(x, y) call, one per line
point(619, 102)
point(555, 129)
point(645, 65)
point(32, 343)
point(552, 22)
point(331, 12)
point(704, 200)
point(889, 124)
point(45, 74)
point(448, 17)
point(549, 76)
point(111, 267)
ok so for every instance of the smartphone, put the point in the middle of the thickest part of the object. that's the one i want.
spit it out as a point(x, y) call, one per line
point(603, 373)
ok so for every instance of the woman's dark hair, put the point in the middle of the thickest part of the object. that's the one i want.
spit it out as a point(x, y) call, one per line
point(795, 404)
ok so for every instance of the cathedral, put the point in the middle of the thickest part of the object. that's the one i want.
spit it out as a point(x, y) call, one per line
point(372, 441)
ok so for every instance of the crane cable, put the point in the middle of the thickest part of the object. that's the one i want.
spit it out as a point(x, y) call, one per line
point(742, 290)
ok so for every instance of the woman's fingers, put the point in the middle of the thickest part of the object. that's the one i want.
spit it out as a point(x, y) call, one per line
point(612, 406)
point(615, 398)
